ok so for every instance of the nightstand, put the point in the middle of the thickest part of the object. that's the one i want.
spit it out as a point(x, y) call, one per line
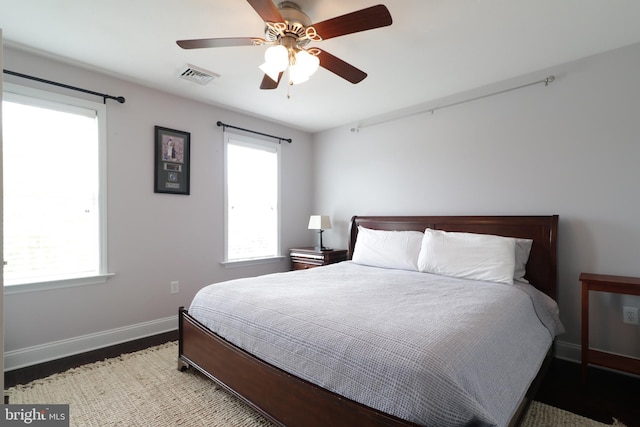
point(616, 285)
point(304, 258)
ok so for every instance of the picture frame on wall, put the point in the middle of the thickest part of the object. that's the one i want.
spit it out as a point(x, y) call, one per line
point(172, 161)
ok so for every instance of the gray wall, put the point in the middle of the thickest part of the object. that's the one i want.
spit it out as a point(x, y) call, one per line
point(571, 148)
point(153, 238)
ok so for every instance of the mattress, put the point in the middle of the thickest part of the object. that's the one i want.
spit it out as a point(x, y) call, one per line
point(430, 349)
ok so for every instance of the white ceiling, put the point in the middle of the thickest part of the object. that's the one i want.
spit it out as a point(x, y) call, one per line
point(433, 49)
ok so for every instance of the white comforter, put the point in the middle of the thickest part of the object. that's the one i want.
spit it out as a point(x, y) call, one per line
point(430, 349)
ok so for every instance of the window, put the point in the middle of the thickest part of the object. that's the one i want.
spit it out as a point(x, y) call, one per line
point(54, 190)
point(252, 199)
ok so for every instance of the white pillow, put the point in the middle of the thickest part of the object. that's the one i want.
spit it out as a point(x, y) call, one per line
point(387, 249)
point(468, 255)
point(523, 249)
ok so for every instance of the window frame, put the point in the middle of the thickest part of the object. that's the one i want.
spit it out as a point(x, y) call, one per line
point(266, 145)
point(48, 99)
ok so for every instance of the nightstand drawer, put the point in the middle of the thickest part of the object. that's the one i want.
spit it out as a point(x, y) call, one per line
point(305, 258)
point(297, 264)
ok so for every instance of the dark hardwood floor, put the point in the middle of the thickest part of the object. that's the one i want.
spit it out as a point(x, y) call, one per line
point(606, 396)
point(30, 373)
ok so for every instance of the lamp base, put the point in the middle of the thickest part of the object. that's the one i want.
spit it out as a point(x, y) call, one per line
point(320, 246)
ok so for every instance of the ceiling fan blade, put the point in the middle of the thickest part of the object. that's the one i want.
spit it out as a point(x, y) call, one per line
point(268, 83)
point(267, 10)
point(340, 68)
point(220, 42)
point(354, 22)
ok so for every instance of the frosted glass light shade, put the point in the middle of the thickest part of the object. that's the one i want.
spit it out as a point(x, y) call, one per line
point(270, 71)
point(296, 75)
point(305, 65)
point(276, 60)
point(278, 56)
point(308, 62)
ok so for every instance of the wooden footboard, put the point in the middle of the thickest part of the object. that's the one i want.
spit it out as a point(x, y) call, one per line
point(285, 399)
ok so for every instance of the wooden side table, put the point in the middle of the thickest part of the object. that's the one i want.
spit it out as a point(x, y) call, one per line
point(303, 258)
point(616, 285)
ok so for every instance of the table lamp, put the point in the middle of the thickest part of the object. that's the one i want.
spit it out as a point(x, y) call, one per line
point(320, 223)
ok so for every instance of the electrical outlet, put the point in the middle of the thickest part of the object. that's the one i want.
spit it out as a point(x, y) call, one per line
point(630, 315)
point(175, 287)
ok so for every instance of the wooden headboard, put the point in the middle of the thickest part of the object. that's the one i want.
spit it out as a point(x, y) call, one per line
point(542, 267)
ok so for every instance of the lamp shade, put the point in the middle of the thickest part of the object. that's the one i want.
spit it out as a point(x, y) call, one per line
point(319, 222)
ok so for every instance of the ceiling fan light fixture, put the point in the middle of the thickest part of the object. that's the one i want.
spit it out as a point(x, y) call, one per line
point(303, 68)
point(277, 55)
point(270, 71)
point(308, 62)
point(276, 60)
point(297, 75)
point(288, 27)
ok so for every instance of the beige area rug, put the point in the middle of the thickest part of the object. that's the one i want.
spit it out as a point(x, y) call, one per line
point(146, 389)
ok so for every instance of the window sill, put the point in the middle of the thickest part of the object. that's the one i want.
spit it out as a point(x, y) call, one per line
point(56, 284)
point(254, 261)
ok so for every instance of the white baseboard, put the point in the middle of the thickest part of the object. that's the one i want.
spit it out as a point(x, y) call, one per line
point(29, 356)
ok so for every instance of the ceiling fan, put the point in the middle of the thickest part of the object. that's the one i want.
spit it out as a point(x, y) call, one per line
point(289, 31)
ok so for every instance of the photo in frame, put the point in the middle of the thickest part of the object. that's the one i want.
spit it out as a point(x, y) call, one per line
point(172, 164)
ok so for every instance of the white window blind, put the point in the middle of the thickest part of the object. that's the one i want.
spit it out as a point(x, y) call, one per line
point(53, 188)
point(252, 199)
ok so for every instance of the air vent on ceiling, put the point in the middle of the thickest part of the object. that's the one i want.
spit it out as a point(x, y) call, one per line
point(198, 75)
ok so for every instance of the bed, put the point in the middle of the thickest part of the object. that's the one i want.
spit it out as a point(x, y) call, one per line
point(309, 384)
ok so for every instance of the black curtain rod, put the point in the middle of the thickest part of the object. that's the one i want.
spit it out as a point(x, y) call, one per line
point(280, 139)
point(104, 96)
